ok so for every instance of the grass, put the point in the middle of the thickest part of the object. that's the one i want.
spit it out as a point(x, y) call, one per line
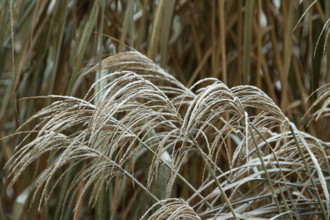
point(226, 126)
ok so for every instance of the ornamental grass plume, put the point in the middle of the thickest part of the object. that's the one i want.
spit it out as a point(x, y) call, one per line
point(141, 139)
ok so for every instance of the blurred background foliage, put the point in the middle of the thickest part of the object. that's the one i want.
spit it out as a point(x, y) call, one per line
point(47, 44)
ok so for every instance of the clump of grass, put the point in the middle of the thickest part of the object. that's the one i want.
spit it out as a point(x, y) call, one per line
point(229, 152)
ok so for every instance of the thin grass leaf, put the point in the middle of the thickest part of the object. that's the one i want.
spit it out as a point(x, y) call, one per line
point(82, 46)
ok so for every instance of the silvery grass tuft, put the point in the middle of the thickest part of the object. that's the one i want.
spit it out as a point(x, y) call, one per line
point(255, 163)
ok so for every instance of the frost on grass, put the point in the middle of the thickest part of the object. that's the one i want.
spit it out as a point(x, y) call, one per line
point(242, 143)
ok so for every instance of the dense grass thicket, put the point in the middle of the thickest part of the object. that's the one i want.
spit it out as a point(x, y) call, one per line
point(166, 109)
